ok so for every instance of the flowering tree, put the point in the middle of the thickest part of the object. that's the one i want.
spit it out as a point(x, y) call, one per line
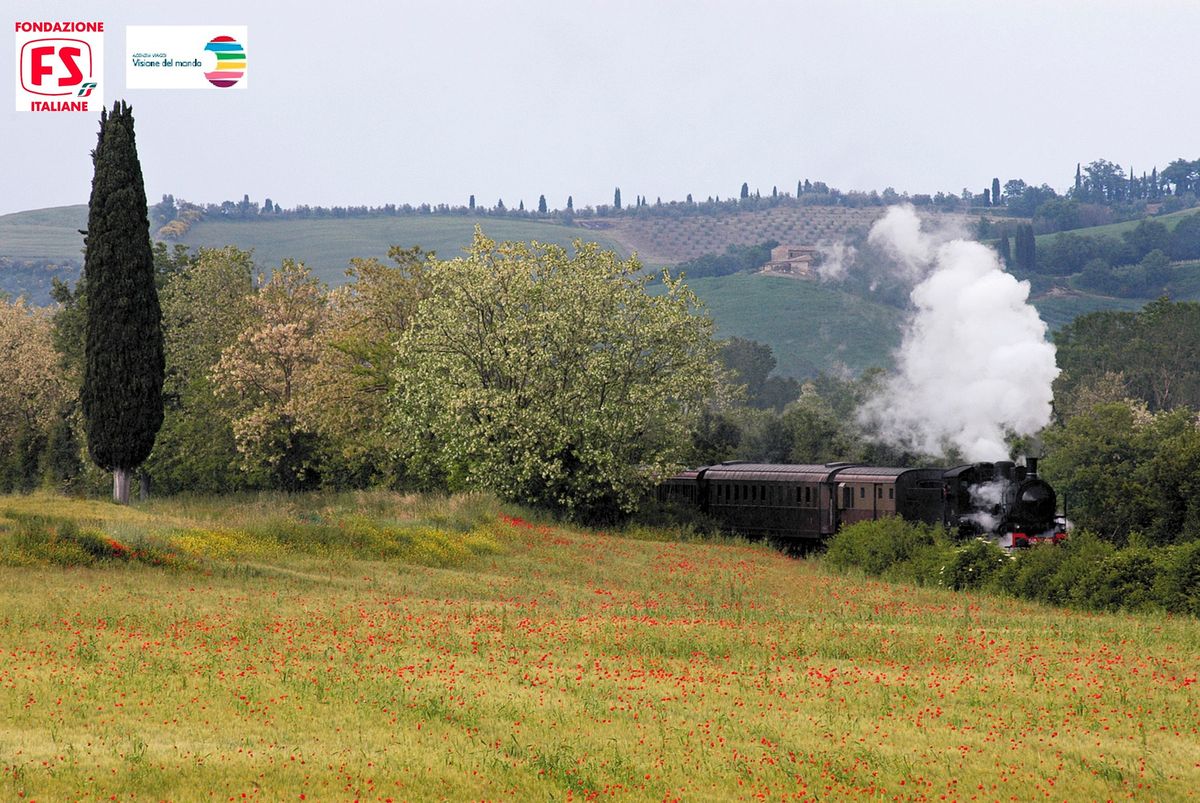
point(266, 373)
point(33, 390)
point(552, 379)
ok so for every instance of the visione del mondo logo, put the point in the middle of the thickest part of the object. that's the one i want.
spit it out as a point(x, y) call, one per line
point(186, 56)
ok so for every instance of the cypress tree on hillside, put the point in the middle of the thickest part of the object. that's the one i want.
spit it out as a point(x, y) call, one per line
point(570, 203)
point(745, 190)
point(1026, 249)
point(541, 204)
point(995, 192)
point(617, 198)
point(123, 340)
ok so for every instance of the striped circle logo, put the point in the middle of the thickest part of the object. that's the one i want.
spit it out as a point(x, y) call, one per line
point(231, 61)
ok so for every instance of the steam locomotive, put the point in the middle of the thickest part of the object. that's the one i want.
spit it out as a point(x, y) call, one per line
point(1002, 500)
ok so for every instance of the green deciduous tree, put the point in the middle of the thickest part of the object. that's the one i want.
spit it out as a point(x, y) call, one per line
point(1124, 470)
point(123, 367)
point(206, 305)
point(1185, 239)
point(552, 379)
point(356, 370)
point(1154, 349)
point(1147, 236)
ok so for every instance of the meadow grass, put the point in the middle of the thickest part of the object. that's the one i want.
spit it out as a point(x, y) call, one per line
point(326, 245)
point(810, 326)
point(308, 649)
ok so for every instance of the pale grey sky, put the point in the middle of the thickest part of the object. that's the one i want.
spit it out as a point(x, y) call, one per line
point(356, 102)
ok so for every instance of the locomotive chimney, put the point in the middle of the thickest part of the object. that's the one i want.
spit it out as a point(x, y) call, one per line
point(1031, 466)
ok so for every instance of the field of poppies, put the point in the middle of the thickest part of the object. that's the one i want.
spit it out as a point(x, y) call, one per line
point(376, 646)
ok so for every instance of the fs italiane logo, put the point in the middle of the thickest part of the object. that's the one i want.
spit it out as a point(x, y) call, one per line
point(59, 66)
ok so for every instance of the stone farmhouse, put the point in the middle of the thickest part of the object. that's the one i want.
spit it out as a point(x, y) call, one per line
point(792, 260)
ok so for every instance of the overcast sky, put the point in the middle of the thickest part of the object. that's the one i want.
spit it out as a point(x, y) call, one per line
point(355, 102)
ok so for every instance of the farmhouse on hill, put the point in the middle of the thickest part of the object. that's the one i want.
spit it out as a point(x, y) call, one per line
point(792, 260)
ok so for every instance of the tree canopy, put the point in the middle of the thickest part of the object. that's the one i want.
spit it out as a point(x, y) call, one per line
point(550, 378)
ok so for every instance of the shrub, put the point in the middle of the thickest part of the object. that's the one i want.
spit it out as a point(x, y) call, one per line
point(973, 564)
point(1177, 586)
point(1124, 579)
point(1034, 574)
point(876, 546)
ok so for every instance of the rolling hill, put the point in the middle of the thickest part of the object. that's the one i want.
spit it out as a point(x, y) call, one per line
point(1117, 229)
point(327, 245)
point(670, 240)
point(44, 233)
point(811, 327)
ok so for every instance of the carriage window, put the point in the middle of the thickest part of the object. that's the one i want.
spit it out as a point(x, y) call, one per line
point(878, 492)
point(891, 493)
point(847, 497)
point(807, 496)
point(862, 492)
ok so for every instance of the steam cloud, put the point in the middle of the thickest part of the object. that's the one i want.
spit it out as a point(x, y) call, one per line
point(974, 364)
point(836, 259)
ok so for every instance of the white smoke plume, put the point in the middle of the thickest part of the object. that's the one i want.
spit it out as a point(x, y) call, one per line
point(985, 497)
point(974, 364)
point(836, 259)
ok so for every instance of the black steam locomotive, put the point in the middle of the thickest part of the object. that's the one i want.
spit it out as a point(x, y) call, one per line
point(1002, 500)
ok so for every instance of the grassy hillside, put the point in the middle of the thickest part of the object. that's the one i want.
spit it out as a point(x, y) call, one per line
point(327, 245)
point(1117, 229)
point(44, 233)
point(377, 646)
point(1058, 310)
point(811, 327)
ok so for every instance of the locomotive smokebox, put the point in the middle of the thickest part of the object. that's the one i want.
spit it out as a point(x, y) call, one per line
point(1031, 466)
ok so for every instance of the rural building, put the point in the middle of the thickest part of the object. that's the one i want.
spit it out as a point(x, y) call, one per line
point(792, 260)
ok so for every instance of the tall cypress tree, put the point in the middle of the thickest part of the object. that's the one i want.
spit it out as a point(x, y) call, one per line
point(995, 192)
point(123, 341)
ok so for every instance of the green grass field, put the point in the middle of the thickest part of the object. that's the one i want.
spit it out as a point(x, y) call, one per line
point(375, 646)
point(44, 233)
point(1058, 311)
point(326, 246)
point(1117, 229)
point(811, 327)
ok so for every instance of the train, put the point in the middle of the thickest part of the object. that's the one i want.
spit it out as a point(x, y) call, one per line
point(1004, 501)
